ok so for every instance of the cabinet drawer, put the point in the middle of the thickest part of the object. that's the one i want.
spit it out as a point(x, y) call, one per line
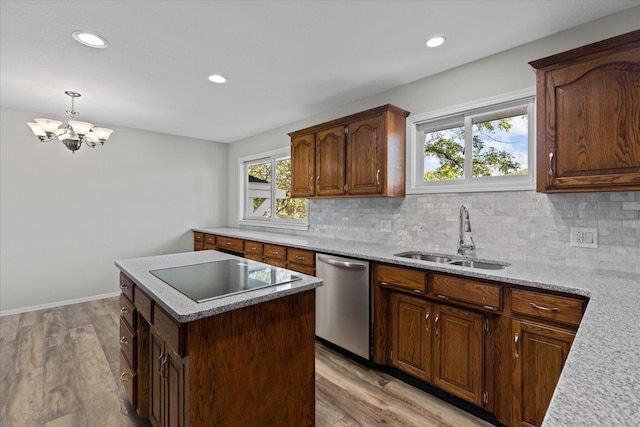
point(230, 243)
point(304, 269)
point(171, 331)
point(282, 263)
point(251, 247)
point(127, 312)
point(545, 306)
point(197, 246)
point(129, 381)
point(209, 239)
point(128, 343)
point(126, 286)
point(469, 291)
point(402, 278)
point(144, 304)
point(301, 256)
point(275, 251)
point(254, 257)
point(198, 237)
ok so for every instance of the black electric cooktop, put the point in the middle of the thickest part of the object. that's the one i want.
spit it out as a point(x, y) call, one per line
point(211, 280)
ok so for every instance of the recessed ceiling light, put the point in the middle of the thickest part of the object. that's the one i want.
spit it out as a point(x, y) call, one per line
point(435, 41)
point(217, 78)
point(90, 39)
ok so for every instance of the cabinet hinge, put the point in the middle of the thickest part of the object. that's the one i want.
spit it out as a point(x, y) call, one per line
point(485, 398)
point(486, 325)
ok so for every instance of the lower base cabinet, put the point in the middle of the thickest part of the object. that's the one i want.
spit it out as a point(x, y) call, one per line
point(539, 354)
point(411, 349)
point(167, 384)
point(440, 344)
point(459, 352)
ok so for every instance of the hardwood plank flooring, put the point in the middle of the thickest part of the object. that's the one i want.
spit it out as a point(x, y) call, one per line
point(59, 367)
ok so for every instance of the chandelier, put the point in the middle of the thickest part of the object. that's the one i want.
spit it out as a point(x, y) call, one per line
point(74, 133)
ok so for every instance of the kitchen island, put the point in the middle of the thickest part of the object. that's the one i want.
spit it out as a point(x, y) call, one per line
point(246, 358)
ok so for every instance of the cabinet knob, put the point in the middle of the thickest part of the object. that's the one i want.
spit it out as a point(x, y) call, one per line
point(299, 258)
point(123, 285)
point(436, 323)
point(124, 341)
point(516, 338)
point(378, 177)
point(426, 321)
point(123, 377)
point(124, 310)
point(551, 164)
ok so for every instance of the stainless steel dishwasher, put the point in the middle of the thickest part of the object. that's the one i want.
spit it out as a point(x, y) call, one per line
point(342, 303)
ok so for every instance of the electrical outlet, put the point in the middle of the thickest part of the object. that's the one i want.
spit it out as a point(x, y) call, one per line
point(385, 225)
point(584, 237)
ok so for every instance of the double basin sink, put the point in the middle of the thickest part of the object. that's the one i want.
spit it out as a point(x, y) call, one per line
point(454, 260)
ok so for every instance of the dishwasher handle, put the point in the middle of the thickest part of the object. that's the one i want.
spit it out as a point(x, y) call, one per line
point(344, 264)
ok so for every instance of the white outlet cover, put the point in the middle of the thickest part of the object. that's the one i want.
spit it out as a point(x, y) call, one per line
point(385, 225)
point(584, 237)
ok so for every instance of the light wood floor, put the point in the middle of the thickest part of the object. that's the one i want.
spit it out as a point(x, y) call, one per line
point(59, 367)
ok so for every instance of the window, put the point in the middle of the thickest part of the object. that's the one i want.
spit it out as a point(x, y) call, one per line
point(266, 190)
point(487, 147)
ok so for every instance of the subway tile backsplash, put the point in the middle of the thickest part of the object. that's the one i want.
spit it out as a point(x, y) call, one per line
point(518, 225)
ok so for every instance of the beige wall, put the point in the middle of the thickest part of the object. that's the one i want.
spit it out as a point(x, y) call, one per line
point(502, 73)
point(66, 217)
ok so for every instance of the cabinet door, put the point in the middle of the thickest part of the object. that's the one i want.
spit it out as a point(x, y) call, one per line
point(156, 410)
point(539, 354)
point(589, 129)
point(364, 156)
point(175, 372)
point(459, 352)
point(330, 166)
point(303, 166)
point(411, 335)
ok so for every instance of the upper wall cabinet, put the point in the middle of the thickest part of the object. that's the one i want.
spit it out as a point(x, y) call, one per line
point(588, 117)
point(361, 155)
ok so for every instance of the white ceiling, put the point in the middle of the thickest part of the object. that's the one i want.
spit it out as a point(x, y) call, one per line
point(286, 60)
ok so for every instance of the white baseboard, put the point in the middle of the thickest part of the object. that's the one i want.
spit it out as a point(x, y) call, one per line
point(56, 304)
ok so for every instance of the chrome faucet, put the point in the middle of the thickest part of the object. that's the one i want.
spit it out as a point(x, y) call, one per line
point(464, 226)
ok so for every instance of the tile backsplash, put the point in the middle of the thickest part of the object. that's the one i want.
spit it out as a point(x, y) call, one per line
point(518, 225)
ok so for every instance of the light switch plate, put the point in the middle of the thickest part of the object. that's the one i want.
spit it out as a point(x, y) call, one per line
point(584, 237)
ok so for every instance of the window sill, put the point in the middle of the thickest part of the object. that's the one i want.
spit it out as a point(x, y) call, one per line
point(303, 226)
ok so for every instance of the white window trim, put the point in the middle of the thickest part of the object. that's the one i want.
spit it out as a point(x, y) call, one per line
point(290, 224)
point(415, 156)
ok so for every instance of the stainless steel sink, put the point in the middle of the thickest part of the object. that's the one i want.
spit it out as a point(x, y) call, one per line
point(425, 256)
point(484, 265)
point(454, 260)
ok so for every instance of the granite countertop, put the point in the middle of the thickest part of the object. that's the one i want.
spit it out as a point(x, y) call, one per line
point(183, 308)
point(600, 383)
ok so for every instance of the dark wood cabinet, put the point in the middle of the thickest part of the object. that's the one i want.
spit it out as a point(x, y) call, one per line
point(167, 385)
point(588, 118)
point(133, 337)
point(539, 354)
point(361, 155)
point(411, 349)
point(459, 352)
point(303, 169)
point(365, 169)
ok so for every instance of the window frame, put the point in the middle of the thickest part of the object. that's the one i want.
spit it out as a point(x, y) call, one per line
point(272, 222)
point(484, 107)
